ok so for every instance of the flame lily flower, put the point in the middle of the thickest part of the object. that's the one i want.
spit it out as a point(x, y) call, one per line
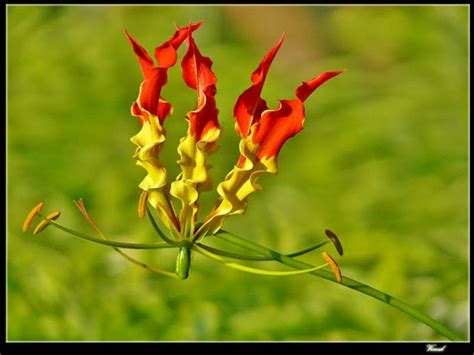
point(201, 139)
point(263, 132)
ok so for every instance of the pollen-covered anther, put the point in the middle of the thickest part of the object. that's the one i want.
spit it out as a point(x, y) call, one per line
point(142, 204)
point(46, 221)
point(33, 213)
point(332, 263)
point(335, 239)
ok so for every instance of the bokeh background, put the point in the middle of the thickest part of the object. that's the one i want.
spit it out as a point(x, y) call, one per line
point(382, 161)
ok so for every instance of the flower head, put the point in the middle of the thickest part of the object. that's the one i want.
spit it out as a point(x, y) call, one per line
point(263, 132)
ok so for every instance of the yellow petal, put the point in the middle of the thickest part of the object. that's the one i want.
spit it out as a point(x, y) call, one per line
point(238, 185)
point(194, 176)
point(149, 140)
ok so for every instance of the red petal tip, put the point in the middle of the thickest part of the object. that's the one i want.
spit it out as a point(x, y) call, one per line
point(307, 87)
point(250, 105)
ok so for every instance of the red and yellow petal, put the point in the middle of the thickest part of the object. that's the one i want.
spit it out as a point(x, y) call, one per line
point(149, 98)
point(166, 54)
point(307, 88)
point(250, 105)
point(277, 126)
point(238, 185)
point(201, 139)
point(259, 152)
point(198, 75)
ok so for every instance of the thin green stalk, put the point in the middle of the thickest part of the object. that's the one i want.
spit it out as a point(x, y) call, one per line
point(112, 243)
point(346, 281)
point(95, 227)
point(253, 270)
point(258, 258)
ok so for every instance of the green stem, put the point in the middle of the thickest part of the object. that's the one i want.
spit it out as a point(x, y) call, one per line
point(346, 281)
point(118, 244)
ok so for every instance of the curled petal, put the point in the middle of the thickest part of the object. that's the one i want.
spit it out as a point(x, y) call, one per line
point(259, 151)
point(149, 142)
point(198, 75)
point(238, 185)
point(203, 123)
point(149, 99)
point(202, 135)
point(250, 105)
point(277, 126)
point(166, 53)
point(148, 102)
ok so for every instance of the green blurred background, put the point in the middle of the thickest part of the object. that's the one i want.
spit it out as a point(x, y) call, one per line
point(382, 161)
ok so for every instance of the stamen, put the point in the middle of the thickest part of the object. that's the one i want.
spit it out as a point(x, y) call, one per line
point(113, 243)
point(33, 213)
point(142, 204)
point(337, 243)
point(45, 222)
point(332, 263)
point(80, 204)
